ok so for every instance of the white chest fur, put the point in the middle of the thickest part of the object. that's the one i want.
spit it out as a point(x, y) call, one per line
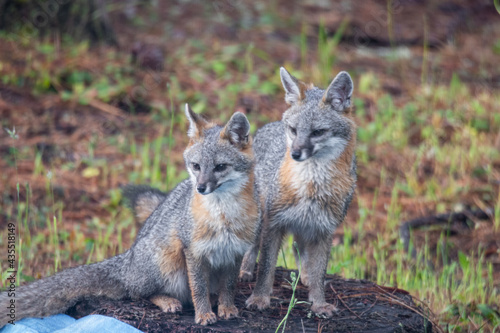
point(226, 218)
point(314, 187)
point(222, 249)
point(307, 218)
point(312, 172)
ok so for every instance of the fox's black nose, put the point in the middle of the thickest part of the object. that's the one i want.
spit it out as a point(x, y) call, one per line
point(296, 155)
point(201, 188)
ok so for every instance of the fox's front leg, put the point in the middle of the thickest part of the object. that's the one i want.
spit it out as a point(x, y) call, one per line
point(261, 296)
point(227, 290)
point(314, 264)
point(198, 274)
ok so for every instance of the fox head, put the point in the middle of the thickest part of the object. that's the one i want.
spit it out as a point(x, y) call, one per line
point(317, 124)
point(218, 158)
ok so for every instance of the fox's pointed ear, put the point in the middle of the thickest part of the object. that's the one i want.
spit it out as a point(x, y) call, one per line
point(196, 123)
point(339, 92)
point(237, 130)
point(294, 89)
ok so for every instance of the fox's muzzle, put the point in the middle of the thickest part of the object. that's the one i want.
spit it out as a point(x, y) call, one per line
point(205, 183)
point(302, 148)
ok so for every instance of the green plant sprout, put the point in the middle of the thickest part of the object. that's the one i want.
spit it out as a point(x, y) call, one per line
point(293, 301)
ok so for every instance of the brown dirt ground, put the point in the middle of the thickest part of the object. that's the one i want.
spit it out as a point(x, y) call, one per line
point(362, 307)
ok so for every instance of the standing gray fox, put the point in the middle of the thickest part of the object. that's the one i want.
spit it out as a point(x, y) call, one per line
point(306, 174)
point(190, 246)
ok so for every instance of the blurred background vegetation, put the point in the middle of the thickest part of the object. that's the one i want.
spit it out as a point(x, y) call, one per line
point(91, 96)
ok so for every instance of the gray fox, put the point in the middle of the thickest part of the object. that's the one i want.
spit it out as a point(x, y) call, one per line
point(306, 175)
point(191, 245)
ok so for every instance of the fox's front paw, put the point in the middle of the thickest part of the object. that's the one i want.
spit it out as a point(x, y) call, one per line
point(324, 309)
point(205, 318)
point(227, 312)
point(258, 302)
point(246, 276)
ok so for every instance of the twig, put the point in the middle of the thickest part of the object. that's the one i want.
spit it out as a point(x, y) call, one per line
point(397, 300)
point(358, 295)
point(393, 290)
point(139, 326)
point(389, 297)
point(106, 108)
point(484, 324)
point(422, 303)
point(362, 313)
point(348, 308)
point(473, 323)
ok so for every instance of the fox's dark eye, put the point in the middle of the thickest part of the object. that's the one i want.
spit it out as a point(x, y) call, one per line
point(293, 130)
point(319, 132)
point(196, 166)
point(220, 167)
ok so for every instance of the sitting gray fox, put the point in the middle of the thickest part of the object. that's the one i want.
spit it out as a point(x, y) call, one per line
point(190, 246)
point(306, 175)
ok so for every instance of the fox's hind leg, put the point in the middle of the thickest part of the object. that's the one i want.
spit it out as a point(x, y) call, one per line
point(250, 258)
point(248, 265)
point(166, 303)
point(315, 265)
point(261, 296)
point(227, 290)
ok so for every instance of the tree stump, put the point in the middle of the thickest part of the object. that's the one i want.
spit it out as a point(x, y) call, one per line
point(363, 306)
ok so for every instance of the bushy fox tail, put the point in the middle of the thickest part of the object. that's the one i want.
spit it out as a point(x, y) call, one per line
point(55, 294)
point(143, 200)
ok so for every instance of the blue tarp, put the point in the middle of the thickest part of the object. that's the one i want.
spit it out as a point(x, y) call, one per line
point(65, 324)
